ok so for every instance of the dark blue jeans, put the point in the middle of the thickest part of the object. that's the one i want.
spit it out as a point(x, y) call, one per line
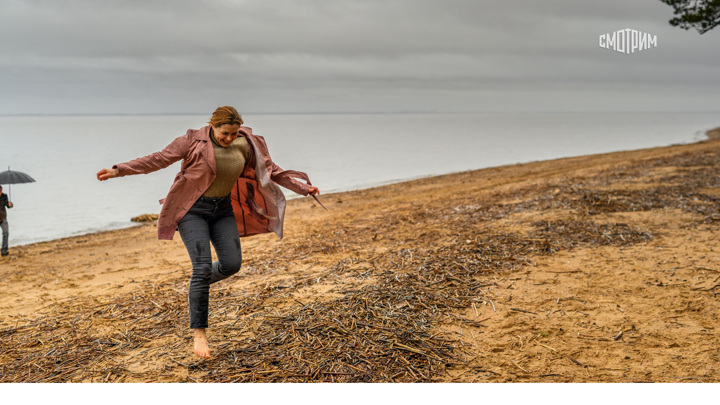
point(209, 220)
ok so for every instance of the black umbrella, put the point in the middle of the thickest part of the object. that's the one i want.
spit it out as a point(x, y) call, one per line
point(11, 177)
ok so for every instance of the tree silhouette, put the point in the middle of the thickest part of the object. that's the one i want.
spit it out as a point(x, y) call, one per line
point(703, 15)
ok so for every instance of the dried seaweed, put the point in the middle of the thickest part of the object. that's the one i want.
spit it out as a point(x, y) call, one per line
point(380, 315)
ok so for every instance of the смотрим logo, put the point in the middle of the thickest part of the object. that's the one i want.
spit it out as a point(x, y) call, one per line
point(628, 41)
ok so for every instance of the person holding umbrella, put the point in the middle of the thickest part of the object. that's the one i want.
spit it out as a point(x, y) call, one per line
point(227, 187)
point(4, 202)
point(9, 177)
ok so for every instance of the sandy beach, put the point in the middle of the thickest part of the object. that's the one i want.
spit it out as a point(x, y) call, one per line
point(599, 268)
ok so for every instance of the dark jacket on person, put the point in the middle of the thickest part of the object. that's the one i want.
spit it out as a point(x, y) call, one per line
point(3, 203)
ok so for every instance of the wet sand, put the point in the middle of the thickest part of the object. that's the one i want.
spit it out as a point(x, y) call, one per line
point(599, 268)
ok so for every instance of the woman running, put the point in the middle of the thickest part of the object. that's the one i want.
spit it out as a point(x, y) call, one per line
point(227, 187)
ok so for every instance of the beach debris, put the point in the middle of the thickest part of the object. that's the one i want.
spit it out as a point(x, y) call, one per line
point(378, 314)
point(145, 218)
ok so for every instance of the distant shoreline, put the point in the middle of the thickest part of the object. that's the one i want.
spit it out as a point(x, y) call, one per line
point(712, 134)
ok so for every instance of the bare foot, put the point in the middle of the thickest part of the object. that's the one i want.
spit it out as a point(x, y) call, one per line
point(201, 344)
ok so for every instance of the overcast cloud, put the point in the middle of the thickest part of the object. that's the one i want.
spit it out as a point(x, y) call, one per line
point(112, 56)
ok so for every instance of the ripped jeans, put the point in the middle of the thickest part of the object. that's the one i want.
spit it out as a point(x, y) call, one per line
point(209, 220)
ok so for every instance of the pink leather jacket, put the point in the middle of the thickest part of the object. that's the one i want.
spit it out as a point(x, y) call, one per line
point(254, 212)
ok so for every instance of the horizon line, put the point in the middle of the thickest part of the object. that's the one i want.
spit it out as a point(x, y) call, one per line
point(349, 113)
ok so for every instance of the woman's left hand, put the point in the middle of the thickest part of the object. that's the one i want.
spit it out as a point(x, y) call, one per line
point(313, 190)
point(106, 174)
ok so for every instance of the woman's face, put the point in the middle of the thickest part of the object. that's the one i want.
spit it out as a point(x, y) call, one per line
point(226, 134)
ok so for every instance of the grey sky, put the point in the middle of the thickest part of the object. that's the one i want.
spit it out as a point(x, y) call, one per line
point(132, 56)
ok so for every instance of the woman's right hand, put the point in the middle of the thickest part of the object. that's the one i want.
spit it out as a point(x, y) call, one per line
point(105, 174)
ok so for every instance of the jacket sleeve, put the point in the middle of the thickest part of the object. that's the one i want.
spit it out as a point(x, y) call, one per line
point(285, 178)
point(156, 161)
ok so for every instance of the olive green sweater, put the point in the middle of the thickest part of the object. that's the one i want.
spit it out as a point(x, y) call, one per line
point(229, 164)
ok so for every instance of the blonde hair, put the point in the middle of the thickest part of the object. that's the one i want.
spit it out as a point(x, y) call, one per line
point(225, 115)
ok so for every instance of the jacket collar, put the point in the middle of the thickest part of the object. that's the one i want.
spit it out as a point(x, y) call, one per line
point(246, 131)
point(207, 151)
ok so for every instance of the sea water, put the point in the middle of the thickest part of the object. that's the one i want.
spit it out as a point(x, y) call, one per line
point(339, 152)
